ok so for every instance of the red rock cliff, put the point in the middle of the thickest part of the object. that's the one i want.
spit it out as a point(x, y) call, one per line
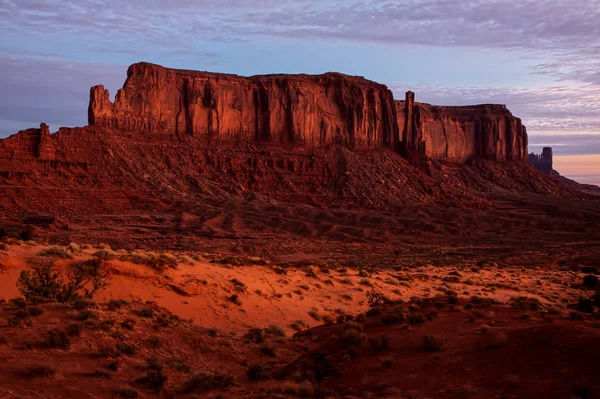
point(313, 110)
point(459, 134)
point(310, 110)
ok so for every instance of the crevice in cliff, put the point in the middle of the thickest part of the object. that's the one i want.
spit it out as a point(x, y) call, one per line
point(188, 128)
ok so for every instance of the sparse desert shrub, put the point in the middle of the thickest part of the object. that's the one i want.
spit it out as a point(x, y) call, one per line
point(113, 365)
point(41, 280)
point(74, 248)
point(315, 315)
point(256, 335)
point(153, 341)
point(128, 324)
point(116, 304)
point(238, 285)
point(431, 343)
point(155, 377)
point(328, 319)
point(299, 325)
point(525, 303)
point(393, 317)
point(205, 381)
point(213, 332)
point(108, 351)
point(177, 364)
point(73, 330)
point(145, 312)
point(40, 371)
point(481, 301)
point(106, 254)
point(365, 282)
point(304, 389)
point(352, 337)
point(56, 338)
point(35, 311)
point(258, 372)
point(56, 251)
point(86, 314)
point(27, 234)
point(347, 281)
point(375, 298)
point(280, 270)
point(380, 343)
point(101, 374)
point(236, 299)
point(3, 340)
point(363, 273)
point(275, 330)
point(18, 302)
point(83, 280)
point(159, 262)
point(576, 315)
point(590, 281)
point(80, 303)
point(127, 392)
point(387, 362)
point(310, 272)
point(126, 349)
point(268, 350)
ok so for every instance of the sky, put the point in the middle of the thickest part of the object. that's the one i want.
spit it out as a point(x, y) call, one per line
point(539, 57)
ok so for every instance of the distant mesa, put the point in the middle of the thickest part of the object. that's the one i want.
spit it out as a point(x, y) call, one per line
point(305, 110)
point(543, 161)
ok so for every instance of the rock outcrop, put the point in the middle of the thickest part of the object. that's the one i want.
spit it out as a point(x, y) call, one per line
point(29, 144)
point(543, 161)
point(311, 110)
point(305, 110)
point(459, 134)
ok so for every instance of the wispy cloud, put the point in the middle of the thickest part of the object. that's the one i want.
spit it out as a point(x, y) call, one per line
point(559, 38)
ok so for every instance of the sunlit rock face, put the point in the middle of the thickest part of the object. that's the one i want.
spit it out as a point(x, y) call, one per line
point(305, 110)
point(458, 134)
point(298, 109)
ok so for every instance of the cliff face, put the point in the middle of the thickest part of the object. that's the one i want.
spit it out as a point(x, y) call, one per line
point(308, 110)
point(458, 134)
point(312, 110)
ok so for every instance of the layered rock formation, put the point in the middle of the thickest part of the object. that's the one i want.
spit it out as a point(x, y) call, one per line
point(458, 134)
point(306, 110)
point(312, 110)
point(543, 161)
point(29, 144)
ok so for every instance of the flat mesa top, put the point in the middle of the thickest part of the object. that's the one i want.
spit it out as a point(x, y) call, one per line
point(139, 68)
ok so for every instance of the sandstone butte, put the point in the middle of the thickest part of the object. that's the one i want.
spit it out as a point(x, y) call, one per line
point(305, 110)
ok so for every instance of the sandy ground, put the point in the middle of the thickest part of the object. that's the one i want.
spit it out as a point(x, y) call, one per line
point(200, 291)
point(183, 323)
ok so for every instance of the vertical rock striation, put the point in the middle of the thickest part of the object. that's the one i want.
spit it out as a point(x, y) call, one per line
point(308, 110)
point(458, 134)
point(295, 109)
